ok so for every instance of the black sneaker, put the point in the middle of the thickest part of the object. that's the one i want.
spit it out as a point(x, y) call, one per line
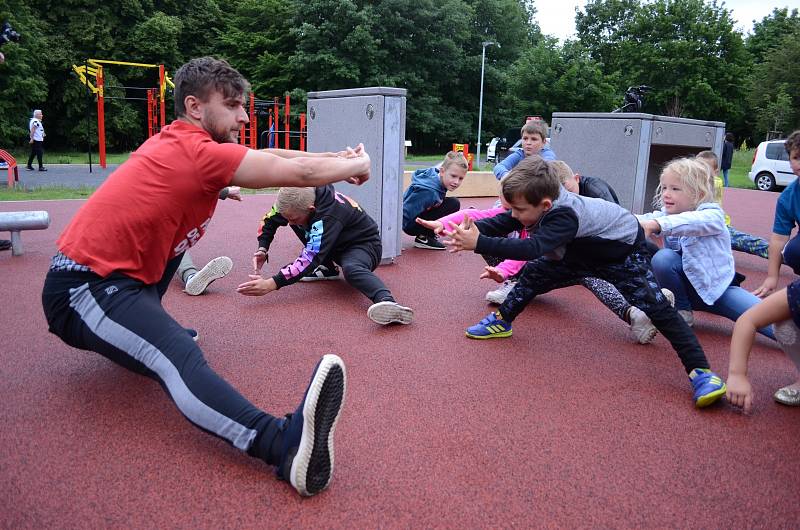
point(41, 169)
point(306, 459)
point(322, 273)
point(429, 242)
point(29, 168)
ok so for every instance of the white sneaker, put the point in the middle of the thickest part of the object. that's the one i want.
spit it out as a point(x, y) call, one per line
point(390, 313)
point(669, 295)
point(641, 326)
point(687, 315)
point(214, 270)
point(499, 295)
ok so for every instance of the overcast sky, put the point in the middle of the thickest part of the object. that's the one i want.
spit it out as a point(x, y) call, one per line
point(557, 17)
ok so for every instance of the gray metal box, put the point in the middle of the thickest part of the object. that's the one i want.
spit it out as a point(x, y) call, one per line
point(628, 150)
point(375, 117)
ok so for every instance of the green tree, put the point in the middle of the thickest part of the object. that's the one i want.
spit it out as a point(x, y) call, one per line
point(774, 90)
point(687, 50)
point(548, 78)
point(770, 32)
point(23, 87)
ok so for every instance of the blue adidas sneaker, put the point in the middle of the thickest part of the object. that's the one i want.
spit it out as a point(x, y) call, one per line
point(491, 327)
point(306, 456)
point(708, 386)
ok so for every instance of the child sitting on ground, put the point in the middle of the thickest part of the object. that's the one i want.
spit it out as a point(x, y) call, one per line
point(782, 247)
point(696, 263)
point(425, 197)
point(578, 237)
point(534, 142)
point(783, 310)
point(335, 229)
point(740, 241)
point(507, 271)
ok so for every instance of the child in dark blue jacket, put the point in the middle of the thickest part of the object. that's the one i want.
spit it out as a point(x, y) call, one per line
point(425, 198)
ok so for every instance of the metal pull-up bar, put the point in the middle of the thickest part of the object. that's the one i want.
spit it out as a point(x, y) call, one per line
point(96, 70)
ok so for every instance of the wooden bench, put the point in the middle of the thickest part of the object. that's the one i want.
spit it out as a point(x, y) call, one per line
point(15, 222)
point(13, 170)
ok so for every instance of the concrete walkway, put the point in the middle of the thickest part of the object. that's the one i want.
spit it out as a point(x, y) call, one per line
point(63, 175)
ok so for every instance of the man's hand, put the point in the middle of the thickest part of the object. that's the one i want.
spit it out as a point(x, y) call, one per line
point(462, 237)
point(257, 286)
point(359, 152)
point(493, 273)
point(235, 193)
point(766, 288)
point(260, 257)
point(740, 392)
point(436, 226)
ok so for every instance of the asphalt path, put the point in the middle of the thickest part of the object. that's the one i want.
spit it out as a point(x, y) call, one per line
point(64, 175)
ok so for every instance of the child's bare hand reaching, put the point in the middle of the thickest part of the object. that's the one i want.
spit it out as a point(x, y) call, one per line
point(740, 392)
point(257, 286)
point(436, 226)
point(492, 273)
point(651, 227)
point(462, 237)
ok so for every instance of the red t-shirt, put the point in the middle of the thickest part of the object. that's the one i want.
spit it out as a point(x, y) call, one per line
point(154, 206)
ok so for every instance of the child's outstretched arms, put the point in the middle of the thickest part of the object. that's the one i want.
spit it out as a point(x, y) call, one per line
point(774, 308)
point(463, 236)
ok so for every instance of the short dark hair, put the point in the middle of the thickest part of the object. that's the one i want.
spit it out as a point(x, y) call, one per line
point(199, 77)
point(729, 137)
point(793, 142)
point(534, 179)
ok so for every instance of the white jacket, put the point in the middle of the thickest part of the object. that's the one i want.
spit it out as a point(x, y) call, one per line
point(705, 243)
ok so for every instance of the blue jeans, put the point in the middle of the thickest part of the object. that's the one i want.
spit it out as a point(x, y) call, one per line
point(668, 268)
point(725, 177)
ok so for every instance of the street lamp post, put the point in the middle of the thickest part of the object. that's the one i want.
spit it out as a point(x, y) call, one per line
point(485, 44)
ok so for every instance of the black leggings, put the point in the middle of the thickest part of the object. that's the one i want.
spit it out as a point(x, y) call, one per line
point(633, 278)
point(122, 319)
point(358, 263)
point(449, 205)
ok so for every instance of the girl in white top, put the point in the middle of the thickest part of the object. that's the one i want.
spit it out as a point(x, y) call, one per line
point(696, 263)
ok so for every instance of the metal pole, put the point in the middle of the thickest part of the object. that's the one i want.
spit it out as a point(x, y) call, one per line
point(480, 109)
point(88, 112)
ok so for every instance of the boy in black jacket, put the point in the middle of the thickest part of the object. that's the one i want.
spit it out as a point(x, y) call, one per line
point(333, 228)
point(572, 237)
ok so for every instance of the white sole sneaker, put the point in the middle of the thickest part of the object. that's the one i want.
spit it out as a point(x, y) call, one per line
point(214, 270)
point(499, 295)
point(311, 468)
point(390, 313)
point(641, 327)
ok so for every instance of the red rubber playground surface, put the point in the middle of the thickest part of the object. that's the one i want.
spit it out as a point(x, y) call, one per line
point(569, 423)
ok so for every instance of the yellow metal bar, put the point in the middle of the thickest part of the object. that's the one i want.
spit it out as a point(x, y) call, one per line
point(98, 62)
point(81, 71)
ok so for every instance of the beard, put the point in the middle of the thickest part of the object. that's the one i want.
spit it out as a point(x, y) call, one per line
point(218, 133)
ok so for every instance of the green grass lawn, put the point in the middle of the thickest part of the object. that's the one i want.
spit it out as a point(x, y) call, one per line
point(737, 176)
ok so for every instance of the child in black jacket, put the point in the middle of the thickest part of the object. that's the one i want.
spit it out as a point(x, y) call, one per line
point(333, 228)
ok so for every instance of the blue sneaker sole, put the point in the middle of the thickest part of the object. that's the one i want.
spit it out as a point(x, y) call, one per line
point(501, 335)
point(312, 466)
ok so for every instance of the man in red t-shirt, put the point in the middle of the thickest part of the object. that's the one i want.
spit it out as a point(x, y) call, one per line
point(116, 257)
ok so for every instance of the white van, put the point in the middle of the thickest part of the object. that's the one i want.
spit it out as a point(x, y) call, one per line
point(771, 166)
